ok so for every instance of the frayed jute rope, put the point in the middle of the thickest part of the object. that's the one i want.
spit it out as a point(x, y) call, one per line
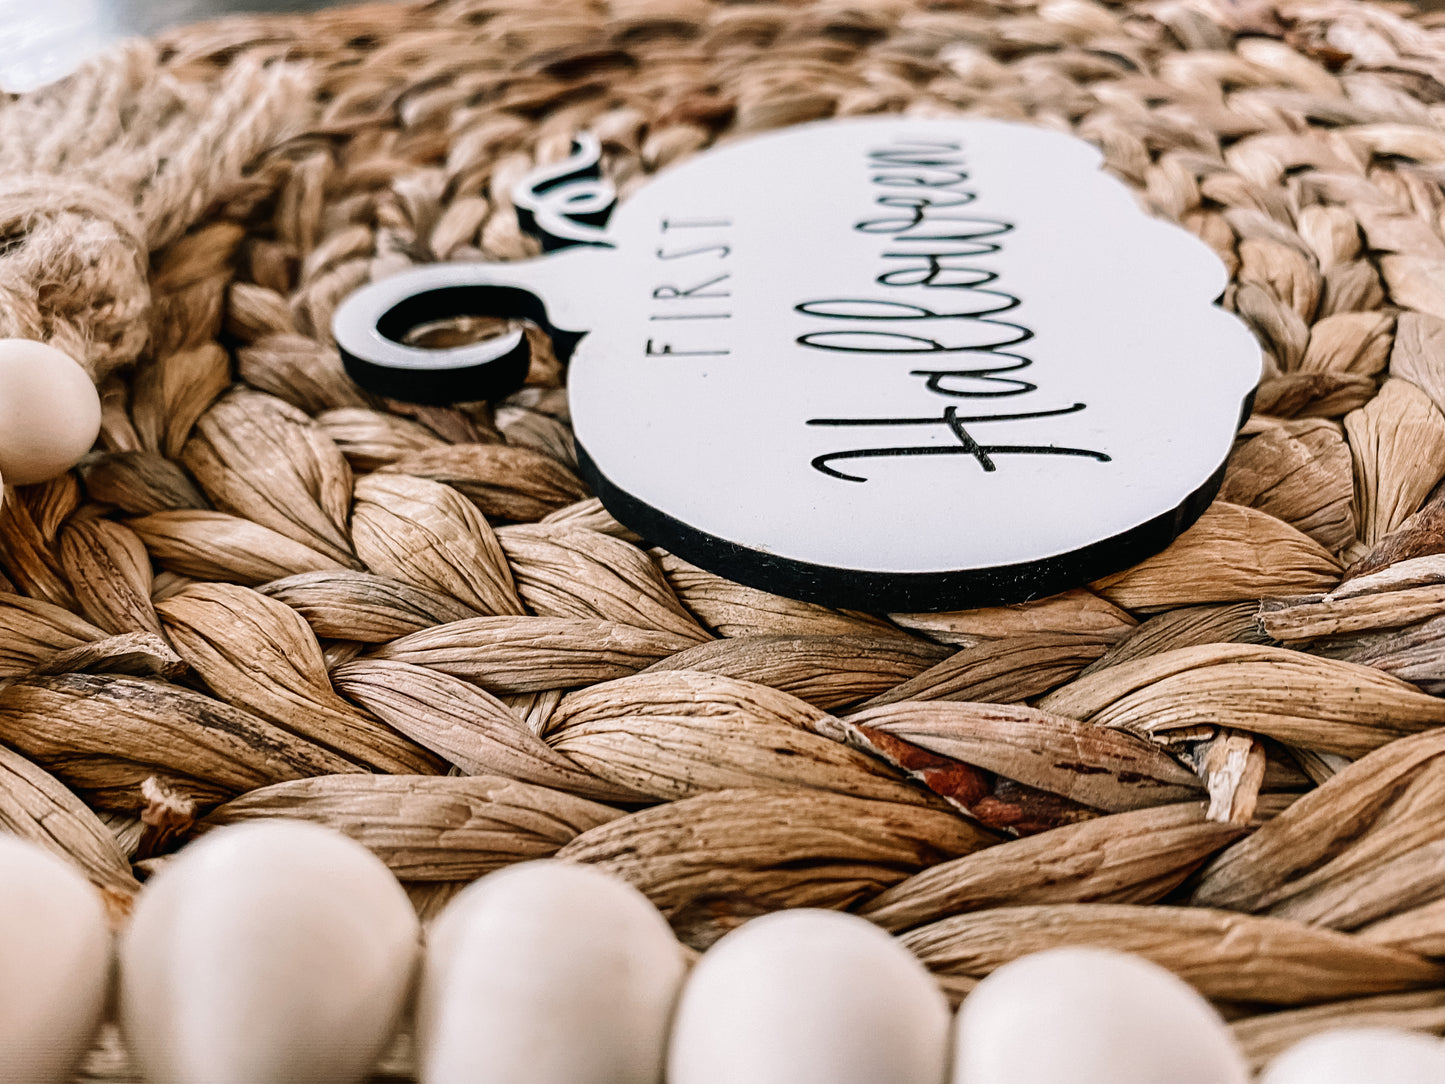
point(104, 168)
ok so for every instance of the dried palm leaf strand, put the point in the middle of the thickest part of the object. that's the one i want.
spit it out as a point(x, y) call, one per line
point(671, 735)
point(188, 299)
point(139, 482)
point(216, 546)
point(1350, 342)
point(426, 534)
point(985, 797)
point(1425, 570)
point(1278, 267)
point(26, 553)
point(362, 606)
point(589, 515)
point(1231, 554)
point(49, 504)
point(1418, 929)
point(110, 574)
point(1005, 671)
point(1223, 955)
point(730, 609)
point(1188, 626)
point(1420, 537)
point(171, 391)
point(297, 368)
point(503, 480)
point(1232, 765)
point(1396, 863)
point(1413, 279)
point(1092, 765)
point(36, 806)
point(370, 439)
point(540, 432)
point(1419, 338)
point(140, 654)
point(828, 672)
point(571, 572)
point(534, 654)
point(1302, 700)
point(1398, 442)
point(429, 899)
point(166, 821)
point(32, 630)
point(105, 735)
point(429, 828)
point(535, 709)
point(255, 652)
point(1265, 1037)
point(1416, 654)
point(1252, 873)
point(1135, 857)
point(1321, 394)
point(718, 852)
point(1300, 621)
point(264, 460)
point(1300, 473)
point(468, 726)
point(1402, 883)
point(1077, 612)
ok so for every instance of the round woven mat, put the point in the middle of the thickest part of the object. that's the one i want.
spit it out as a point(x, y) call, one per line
point(272, 594)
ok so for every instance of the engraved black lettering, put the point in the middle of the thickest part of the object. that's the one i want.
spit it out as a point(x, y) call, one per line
point(929, 249)
point(668, 351)
point(695, 224)
point(692, 293)
point(723, 251)
point(954, 422)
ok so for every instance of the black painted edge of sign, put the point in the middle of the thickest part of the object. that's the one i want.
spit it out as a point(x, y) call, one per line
point(486, 379)
point(491, 372)
point(904, 592)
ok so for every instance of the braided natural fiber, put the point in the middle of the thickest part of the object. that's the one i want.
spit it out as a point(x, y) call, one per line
point(1247, 793)
point(98, 172)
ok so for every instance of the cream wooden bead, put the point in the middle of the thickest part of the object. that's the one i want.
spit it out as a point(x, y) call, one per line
point(809, 997)
point(49, 412)
point(55, 958)
point(1091, 1016)
point(1360, 1056)
point(266, 952)
point(547, 972)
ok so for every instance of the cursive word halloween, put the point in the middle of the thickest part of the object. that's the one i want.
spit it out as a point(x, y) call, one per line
point(934, 244)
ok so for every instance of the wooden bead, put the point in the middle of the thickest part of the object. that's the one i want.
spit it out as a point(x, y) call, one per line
point(809, 997)
point(1091, 1016)
point(1356, 1055)
point(55, 958)
point(49, 412)
point(267, 952)
point(547, 972)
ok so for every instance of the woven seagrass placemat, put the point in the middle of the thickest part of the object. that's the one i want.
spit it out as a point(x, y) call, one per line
point(272, 594)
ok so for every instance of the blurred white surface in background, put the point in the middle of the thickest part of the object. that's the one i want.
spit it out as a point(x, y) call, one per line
point(42, 40)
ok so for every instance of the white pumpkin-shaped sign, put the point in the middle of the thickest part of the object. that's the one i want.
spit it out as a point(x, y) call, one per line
point(884, 363)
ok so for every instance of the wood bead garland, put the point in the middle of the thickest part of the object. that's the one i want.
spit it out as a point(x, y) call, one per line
point(281, 950)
